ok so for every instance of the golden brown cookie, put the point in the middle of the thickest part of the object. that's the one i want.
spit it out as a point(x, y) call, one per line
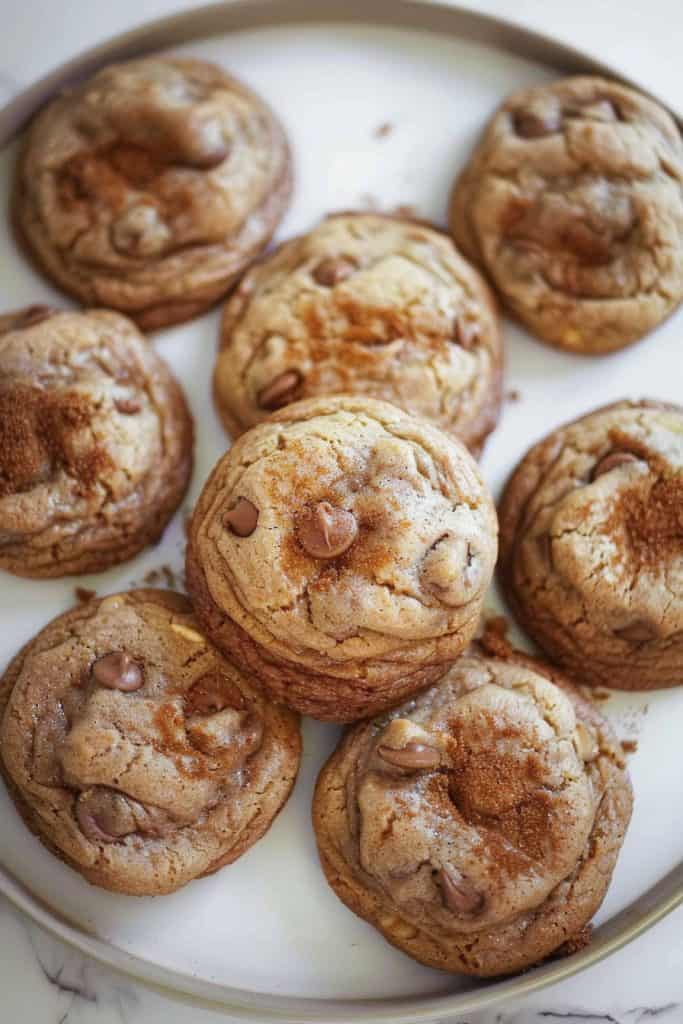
point(370, 305)
point(95, 442)
point(135, 751)
point(477, 826)
point(591, 527)
point(149, 187)
point(573, 204)
point(341, 552)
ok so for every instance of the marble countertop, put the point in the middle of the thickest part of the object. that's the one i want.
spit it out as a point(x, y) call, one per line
point(44, 982)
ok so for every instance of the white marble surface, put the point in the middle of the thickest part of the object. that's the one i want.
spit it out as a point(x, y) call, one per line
point(41, 980)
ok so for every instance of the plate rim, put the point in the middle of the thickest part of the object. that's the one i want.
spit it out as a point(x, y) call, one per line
point(239, 15)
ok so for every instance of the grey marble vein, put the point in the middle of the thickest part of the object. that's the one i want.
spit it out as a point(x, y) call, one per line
point(56, 985)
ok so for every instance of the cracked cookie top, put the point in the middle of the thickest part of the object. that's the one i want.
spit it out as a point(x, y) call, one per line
point(347, 537)
point(363, 304)
point(573, 203)
point(592, 545)
point(135, 750)
point(478, 825)
point(149, 187)
point(95, 442)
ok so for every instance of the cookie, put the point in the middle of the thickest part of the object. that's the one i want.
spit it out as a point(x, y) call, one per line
point(341, 552)
point(95, 442)
point(573, 204)
point(478, 825)
point(150, 187)
point(366, 305)
point(592, 545)
point(135, 751)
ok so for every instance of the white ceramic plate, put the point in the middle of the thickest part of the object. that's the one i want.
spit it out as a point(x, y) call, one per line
point(266, 937)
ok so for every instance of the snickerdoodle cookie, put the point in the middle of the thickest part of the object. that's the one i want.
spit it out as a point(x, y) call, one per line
point(341, 552)
point(95, 442)
point(369, 305)
point(476, 826)
point(592, 545)
point(573, 204)
point(149, 187)
point(135, 751)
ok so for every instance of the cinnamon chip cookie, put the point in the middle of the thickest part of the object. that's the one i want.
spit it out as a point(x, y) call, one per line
point(592, 545)
point(135, 751)
point(95, 442)
point(341, 552)
point(150, 187)
point(573, 203)
point(477, 826)
point(364, 304)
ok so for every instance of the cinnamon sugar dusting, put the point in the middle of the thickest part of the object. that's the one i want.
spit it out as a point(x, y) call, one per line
point(37, 434)
point(654, 522)
point(652, 519)
point(170, 722)
point(345, 321)
point(500, 796)
point(137, 165)
point(109, 174)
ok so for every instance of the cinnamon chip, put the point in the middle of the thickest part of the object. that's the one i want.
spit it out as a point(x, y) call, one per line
point(459, 895)
point(332, 270)
point(211, 694)
point(535, 123)
point(612, 461)
point(325, 531)
point(127, 406)
point(242, 518)
point(414, 756)
point(117, 671)
point(280, 391)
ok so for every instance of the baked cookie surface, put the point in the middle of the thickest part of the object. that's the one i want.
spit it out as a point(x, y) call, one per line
point(573, 203)
point(591, 541)
point(149, 187)
point(341, 551)
point(96, 442)
point(478, 825)
point(135, 751)
point(370, 305)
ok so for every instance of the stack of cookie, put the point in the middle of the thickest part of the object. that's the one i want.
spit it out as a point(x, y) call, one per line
point(340, 552)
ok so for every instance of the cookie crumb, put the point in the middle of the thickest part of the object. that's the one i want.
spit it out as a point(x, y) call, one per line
point(406, 210)
point(383, 130)
point(84, 594)
point(575, 944)
point(513, 395)
point(629, 746)
point(161, 575)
